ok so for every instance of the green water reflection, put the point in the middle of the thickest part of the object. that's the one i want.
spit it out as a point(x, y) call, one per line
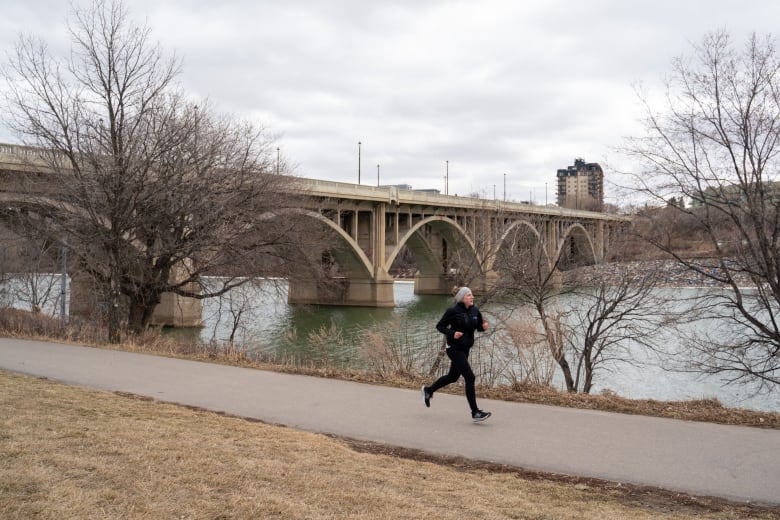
point(271, 328)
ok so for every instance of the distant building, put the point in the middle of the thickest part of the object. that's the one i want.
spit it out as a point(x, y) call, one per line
point(409, 188)
point(581, 186)
point(399, 186)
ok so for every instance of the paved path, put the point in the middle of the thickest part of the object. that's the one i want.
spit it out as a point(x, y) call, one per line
point(731, 462)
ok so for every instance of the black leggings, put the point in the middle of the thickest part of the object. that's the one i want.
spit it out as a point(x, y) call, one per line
point(459, 366)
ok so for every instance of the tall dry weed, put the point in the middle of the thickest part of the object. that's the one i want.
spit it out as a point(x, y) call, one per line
point(535, 365)
point(393, 348)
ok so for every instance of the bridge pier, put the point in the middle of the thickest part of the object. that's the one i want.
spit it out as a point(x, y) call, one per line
point(359, 292)
point(86, 301)
point(432, 284)
point(442, 284)
point(177, 311)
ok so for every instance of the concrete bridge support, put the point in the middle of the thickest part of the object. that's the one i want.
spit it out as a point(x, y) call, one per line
point(432, 284)
point(177, 311)
point(359, 292)
point(86, 301)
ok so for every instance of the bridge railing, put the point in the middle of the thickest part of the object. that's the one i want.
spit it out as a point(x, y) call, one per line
point(21, 151)
point(345, 190)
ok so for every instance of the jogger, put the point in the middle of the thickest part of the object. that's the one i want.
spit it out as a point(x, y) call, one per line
point(459, 324)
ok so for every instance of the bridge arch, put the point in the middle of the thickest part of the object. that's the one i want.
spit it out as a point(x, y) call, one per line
point(576, 247)
point(444, 252)
point(510, 233)
point(352, 259)
point(427, 259)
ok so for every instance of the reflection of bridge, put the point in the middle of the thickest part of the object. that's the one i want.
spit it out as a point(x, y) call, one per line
point(445, 234)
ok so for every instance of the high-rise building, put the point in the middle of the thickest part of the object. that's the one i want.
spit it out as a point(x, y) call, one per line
point(581, 186)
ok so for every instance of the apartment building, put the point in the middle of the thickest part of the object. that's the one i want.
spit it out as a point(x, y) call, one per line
point(581, 186)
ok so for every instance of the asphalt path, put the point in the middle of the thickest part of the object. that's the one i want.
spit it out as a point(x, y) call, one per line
point(732, 462)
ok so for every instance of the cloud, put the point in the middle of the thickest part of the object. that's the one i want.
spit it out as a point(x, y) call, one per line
point(494, 87)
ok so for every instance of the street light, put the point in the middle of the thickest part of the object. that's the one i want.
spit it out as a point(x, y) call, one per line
point(278, 159)
point(377, 175)
point(359, 162)
point(447, 179)
point(505, 187)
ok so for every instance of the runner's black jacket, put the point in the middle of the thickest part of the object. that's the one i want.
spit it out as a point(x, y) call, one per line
point(460, 319)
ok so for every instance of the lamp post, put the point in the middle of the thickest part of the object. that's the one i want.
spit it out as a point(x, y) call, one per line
point(505, 187)
point(545, 194)
point(359, 144)
point(377, 175)
point(447, 179)
point(278, 160)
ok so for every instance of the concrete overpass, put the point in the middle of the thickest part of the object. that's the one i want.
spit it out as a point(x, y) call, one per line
point(447, 235)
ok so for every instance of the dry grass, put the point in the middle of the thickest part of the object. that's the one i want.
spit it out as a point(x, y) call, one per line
point(703, 410)
point(66, 452)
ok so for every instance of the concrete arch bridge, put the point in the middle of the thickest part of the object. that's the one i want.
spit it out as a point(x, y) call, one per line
point(454, 240)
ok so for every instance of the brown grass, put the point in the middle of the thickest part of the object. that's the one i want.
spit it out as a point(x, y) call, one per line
point(66, 452)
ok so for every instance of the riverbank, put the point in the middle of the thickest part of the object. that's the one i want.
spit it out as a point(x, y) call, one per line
point(663, 273)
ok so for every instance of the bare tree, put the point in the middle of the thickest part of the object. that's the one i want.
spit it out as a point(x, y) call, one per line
point(613, 310)
point(588, 316)
point(530, 276)
point(715, 142)
point(150, 189)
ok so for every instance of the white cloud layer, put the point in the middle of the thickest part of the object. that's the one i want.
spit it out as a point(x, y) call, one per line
point(495, 87)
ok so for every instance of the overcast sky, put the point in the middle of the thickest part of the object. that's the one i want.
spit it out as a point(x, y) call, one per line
point(484, 90)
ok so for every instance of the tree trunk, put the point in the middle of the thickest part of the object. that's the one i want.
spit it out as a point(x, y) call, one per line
point(554, 343)
point(140, 311)
point(587, 355)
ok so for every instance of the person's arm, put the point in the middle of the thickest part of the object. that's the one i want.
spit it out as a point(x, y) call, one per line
point(483, 322)
point(444, 324)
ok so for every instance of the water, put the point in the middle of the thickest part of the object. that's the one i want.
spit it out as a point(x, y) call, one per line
point(274, 329)
point(271, 327)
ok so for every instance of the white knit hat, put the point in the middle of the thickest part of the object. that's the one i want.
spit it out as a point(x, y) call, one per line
point(462, 292)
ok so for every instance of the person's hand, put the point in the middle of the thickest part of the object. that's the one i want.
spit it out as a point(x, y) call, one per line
point(485, 325)
point(458, 334)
